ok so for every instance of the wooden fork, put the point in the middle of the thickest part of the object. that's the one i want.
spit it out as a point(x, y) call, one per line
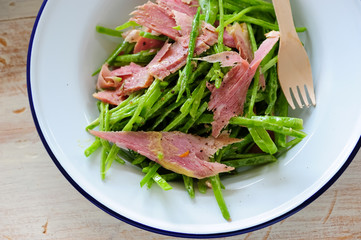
point(294, 68)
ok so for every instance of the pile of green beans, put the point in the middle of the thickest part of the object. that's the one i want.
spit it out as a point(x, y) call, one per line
point(180, 102)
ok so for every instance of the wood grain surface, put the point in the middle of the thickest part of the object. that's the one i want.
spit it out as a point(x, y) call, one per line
point(37, 202)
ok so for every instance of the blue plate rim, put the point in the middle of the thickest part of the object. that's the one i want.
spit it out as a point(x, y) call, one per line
point(146, 227)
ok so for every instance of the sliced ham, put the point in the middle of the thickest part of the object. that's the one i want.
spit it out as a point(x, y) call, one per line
point(184, 21)
point(169, 61)
point(157, 18)
point(147, 44)
point(228, 39)
point(188, 7)
point(227, 59)
point(179, 152)
point(134, 77)
point(106, 79)
point(173, 57)
point(228, 100)
point(112, 97)
point(240, 35)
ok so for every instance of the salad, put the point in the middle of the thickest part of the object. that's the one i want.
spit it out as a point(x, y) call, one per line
point(191, 94)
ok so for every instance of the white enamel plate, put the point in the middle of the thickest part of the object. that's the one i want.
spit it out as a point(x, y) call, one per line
point(64, 51)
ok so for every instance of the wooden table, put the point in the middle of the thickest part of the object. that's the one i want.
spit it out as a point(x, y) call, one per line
point(37, 202)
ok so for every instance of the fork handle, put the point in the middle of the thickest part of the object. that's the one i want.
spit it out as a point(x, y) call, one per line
point(284, 17)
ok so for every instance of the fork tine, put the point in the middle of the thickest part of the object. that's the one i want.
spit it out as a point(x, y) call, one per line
point(304, 95)
point(288, 96)
point(297, 96)
point(311, 93)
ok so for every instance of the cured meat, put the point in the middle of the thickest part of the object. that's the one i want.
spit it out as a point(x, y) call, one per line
point(240, 35)
point(228, 39)
point(156, 18)
point(112, 97)
point(146, 44)
point(134, 77)
point(227, 59)
point(106, 79)
point(168, 60)
point(188, 7)
point(176, 151)
point(228, 100)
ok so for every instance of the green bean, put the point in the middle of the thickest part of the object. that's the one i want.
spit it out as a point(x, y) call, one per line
point(163, 100)
point(170, 176)
point(166, 112)
point(125, 112)
point(161, 182)
point(250, 161)
point(187, 71)
point(188, 184)
point(232, 7)
point(247, 10)
point(117, 113)
point(108, 31)
point(254, 90)
point(253, 123)
point(263, 140)
point(141, 57)
point(191, 122)
point(155, 85)
point(124, 154)
point(216, 186)
point(127, 25)
point(103, 126)
point(220, 28)
point(201, 68)
point(271, 90)
point(240, 146)
point(110, 158)
point(138, 160)
point(205, 119)
point(151, 36)
point(202, 187)
point(269, 64)
point(92, 148)
point(295, 123)
point(281, 109)
point(210, 9)
point(255, 85)
point(177, 120)
point(234, 156)
point(259, 22)
point(150, 173)
point(249, 2)
point(197, 98)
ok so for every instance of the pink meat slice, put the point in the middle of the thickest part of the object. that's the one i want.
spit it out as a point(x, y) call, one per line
point(228, 100)
point(227, 58)
point(106, 79)
point(147, 44)
point(228, 39)
point(184, 21)
point(174, 58)
point(189, 7)
point(240, 35)
point(114, 97)
point(134, 77)
point(176, 151)
point(157, 18)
